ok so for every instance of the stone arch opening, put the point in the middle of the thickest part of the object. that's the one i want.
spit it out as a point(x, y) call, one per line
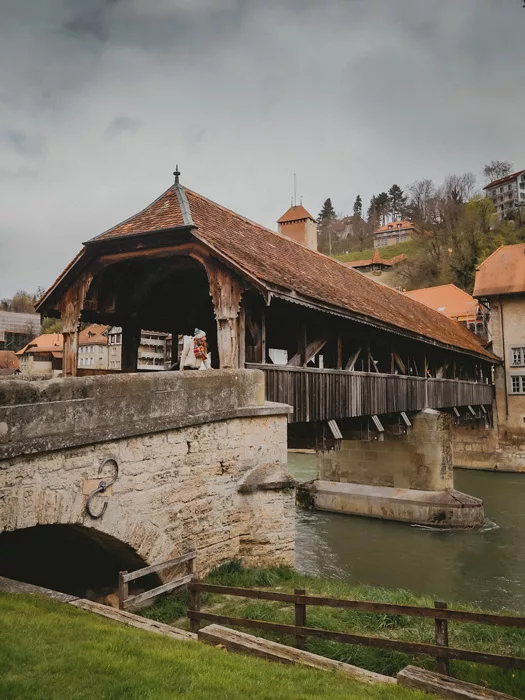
point(72, 559)
point(169, 294)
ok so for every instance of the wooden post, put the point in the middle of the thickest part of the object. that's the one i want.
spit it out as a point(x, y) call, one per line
point(442, 665)
point(70, 353)
point(302, 343)
point(339, 352)
point(263, 337)
point(242, 336)
point(195, 606)
point(122, 589)
point(300, 619)
point(130, 347)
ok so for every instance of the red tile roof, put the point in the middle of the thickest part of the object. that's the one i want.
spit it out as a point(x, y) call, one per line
point(376, 259)
point(449, 300)
point(94, 335)
point(295, 213)
point(503, 272)
point(290, 269)
point(8, 360)
point(502, 180)
point(48, 342)
point(395, 226)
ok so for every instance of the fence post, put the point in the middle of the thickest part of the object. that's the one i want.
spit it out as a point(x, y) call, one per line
point(300, 619)
point(442, 665)
point(195, 606)
point(122, 589)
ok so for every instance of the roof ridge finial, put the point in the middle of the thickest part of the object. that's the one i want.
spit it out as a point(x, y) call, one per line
point(177, 174)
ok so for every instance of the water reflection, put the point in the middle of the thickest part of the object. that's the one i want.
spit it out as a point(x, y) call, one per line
point(486, 567)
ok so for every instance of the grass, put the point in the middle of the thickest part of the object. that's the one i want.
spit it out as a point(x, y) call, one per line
point(498, 640)
point(387, 252)
point(53, 651)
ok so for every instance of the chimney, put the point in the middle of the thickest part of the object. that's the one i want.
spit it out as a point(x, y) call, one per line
point(299, 225)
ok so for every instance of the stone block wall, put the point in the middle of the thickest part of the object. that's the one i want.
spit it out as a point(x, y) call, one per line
point(477, 447)
point(421, 460)
point(219, 487)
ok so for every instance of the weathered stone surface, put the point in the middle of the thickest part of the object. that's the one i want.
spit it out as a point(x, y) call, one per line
point(445, 509)
point(74, 411)
point(178, 488)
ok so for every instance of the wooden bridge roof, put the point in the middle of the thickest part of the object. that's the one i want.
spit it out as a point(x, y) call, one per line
point(287, 269)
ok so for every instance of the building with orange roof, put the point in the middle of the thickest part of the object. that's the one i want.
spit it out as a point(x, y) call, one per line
point(394, 232)
point(500, 284)
point(507, 193)
point(93, 347)
point(454, 303)
point(377, 266)
point(42, 356)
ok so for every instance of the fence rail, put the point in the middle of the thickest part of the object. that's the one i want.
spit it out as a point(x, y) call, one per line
point(324, 394)
point(126, 601)
point(441, 615)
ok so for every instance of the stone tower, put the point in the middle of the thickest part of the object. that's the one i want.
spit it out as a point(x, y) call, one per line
point(300, 225)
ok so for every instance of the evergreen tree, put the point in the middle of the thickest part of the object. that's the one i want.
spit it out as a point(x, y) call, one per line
point(396, 202)
point(325, 220)
point(358, 206)
point(327, 212)
point(382, 203)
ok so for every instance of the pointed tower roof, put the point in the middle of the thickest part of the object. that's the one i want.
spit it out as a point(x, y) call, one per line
point(295, 213)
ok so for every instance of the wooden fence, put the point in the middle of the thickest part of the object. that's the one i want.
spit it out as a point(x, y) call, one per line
point(324, 394)
point(126, 601)
point(441, 615)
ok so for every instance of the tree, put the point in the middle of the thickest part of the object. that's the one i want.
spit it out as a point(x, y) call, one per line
point(397, 201)
point(496, 169)
point(327, 211)
point(358, 206)
point(382, 205)
point(22, 303)
point(325, 222)
point(52, 325)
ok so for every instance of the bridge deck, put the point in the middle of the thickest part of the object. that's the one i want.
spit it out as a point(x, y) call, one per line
point(323, 394)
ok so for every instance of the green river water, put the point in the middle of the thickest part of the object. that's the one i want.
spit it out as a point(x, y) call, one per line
point(486, 567)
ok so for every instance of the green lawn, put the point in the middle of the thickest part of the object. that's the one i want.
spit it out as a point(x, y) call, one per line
point(508, 641)
point(387, 252)
point(53, 651)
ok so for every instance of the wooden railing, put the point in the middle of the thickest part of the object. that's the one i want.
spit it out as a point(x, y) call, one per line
point(440, 614)
point(126, 601)
point(323, 394)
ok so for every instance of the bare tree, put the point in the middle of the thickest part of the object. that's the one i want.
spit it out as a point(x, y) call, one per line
point(460, 188)
point(421, 205)
point(496, 169)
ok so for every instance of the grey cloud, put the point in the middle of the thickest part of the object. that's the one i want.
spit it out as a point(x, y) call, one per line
point(351, 95)
point(120, 125)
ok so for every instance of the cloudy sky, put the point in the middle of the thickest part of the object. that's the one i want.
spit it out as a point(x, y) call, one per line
point(99, 99)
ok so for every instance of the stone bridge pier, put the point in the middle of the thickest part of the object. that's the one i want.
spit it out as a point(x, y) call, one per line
point(407, 477)
point(193, 461)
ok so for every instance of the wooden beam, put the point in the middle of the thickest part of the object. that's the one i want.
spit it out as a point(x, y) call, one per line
point(311, 351)
point(250, 645)
point(399, 362)
point(445, 686)
point(263, 336)
point(371, 360)
point(352, 360)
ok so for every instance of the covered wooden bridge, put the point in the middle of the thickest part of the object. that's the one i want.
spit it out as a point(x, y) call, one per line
point(331, 342)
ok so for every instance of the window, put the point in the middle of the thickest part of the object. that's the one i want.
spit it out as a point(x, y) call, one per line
point(518, 356)
point(518, 383)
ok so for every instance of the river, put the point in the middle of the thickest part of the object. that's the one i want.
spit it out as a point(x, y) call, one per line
point(486, 567)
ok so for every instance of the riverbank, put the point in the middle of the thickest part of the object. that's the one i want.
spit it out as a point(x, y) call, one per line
point(53, 651)
point(497, 640)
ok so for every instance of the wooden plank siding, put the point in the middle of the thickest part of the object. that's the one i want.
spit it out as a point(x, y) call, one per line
point(323, 394)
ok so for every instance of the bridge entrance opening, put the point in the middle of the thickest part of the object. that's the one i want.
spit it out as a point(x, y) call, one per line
point(69, 558)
